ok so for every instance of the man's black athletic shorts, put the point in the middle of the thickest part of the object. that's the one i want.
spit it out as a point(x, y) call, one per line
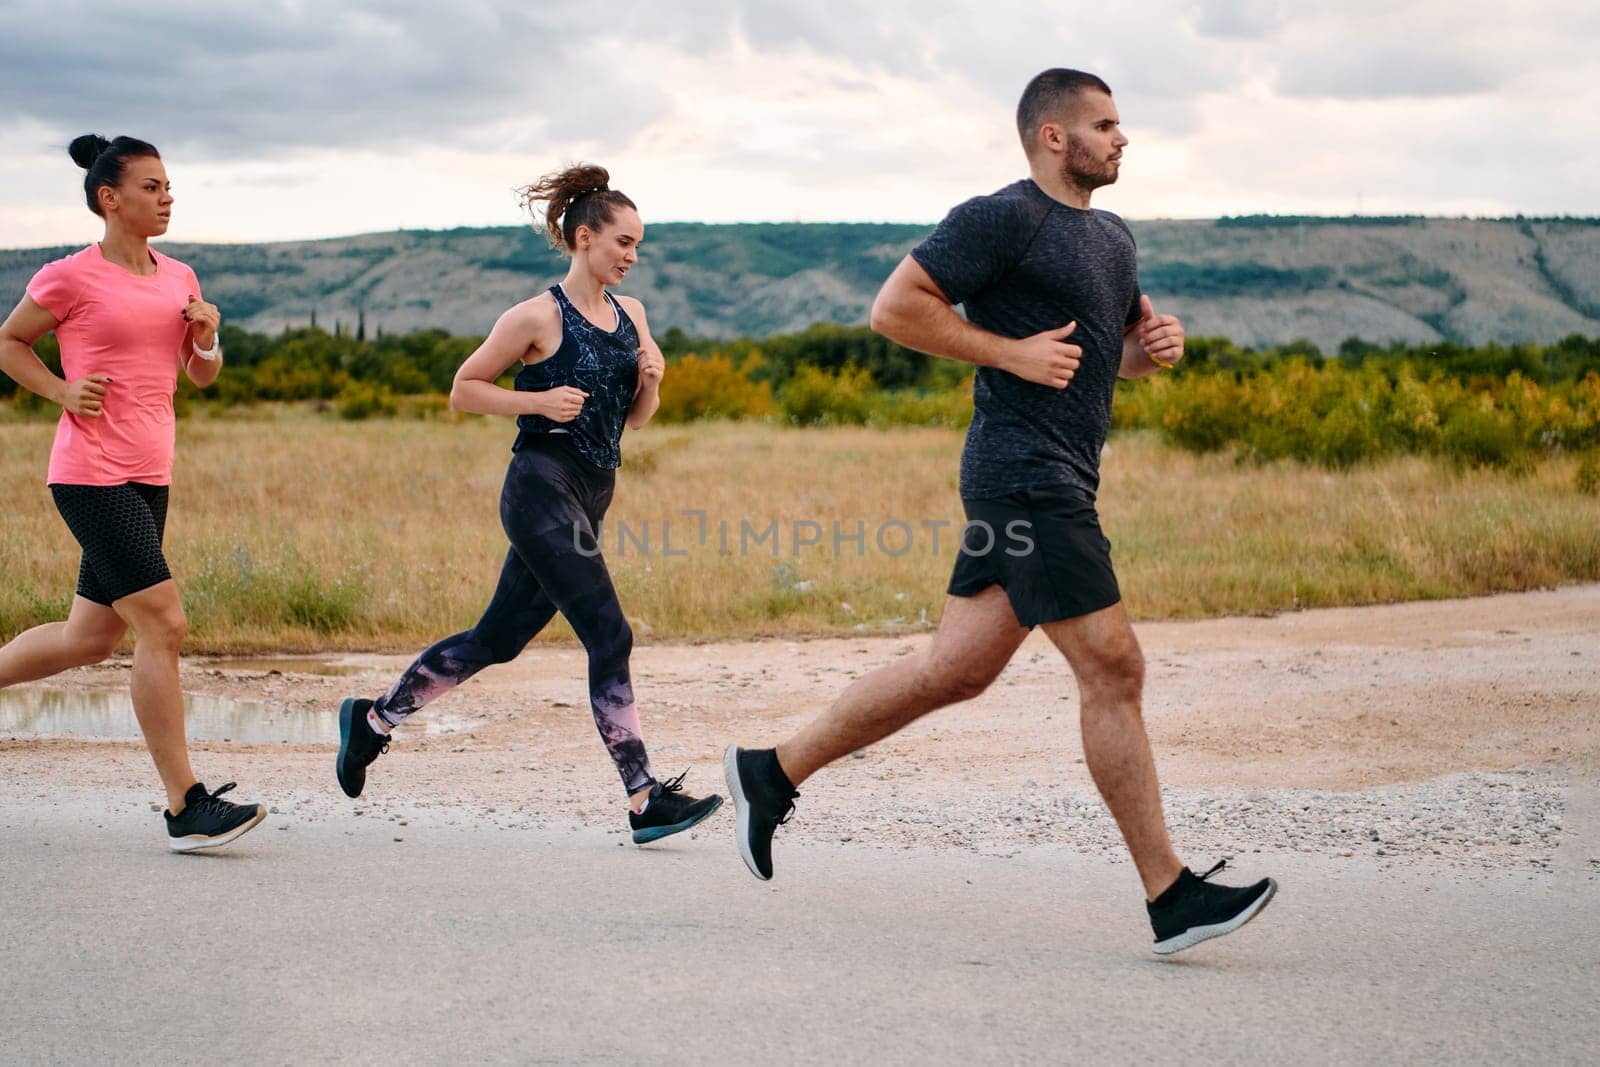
point(120, 528)
point(1044, 547)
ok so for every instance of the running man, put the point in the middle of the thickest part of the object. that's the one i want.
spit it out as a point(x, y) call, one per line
point(588, 367)
point(1053, 317)
point(127, 318)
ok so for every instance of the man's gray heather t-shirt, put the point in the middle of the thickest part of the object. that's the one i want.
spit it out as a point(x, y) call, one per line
point(1021, 263)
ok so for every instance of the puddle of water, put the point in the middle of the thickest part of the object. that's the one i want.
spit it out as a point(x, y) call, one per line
point(54, 713)
point(284, 665)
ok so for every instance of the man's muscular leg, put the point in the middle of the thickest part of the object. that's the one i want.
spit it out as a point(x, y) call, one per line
point(976, 639)
point(1105, 657)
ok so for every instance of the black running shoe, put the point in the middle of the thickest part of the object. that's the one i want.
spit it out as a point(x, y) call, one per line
point(359, 745)
point(762, 800)
point(670, 811)
point(207, 820)
point(1193, 910)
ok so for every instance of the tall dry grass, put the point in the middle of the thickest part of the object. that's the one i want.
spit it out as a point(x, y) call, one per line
point(297, 531)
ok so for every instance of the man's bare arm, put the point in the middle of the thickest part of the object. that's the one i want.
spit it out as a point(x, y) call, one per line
point(912, 311)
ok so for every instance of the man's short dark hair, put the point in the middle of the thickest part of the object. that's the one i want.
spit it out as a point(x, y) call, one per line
point(1048, 93)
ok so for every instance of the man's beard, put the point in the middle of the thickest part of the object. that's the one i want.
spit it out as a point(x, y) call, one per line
point(1083, 169)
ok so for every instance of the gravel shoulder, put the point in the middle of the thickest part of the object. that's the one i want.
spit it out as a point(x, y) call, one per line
point(1463, 731)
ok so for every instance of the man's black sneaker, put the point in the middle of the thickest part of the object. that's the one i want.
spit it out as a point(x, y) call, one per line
point(359, 745)
point(207, 820)
point(670, 811)
point(1193, 910)
point(763, 800)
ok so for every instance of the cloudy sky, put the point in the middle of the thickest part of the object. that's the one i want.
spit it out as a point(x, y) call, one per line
point(284, 118)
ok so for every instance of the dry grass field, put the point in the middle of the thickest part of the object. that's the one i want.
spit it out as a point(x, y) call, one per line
point(291, 530)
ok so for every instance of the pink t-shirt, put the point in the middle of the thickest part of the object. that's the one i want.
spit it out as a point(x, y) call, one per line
point(130, 327)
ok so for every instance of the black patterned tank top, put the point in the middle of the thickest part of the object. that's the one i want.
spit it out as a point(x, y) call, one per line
point(602, 363)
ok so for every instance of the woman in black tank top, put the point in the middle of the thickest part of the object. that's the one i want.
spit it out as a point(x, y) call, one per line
point(589, 369)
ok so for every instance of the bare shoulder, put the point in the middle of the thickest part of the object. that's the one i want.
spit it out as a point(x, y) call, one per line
point(532, 327)
point(536, 311)
point(632, 305)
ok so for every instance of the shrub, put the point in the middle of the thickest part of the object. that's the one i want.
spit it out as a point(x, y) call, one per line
point(835, 348)
point(362, 400)
point(1589, 474)
point(1206, 414)
point(1479, 436)
point(1345, 436)
point(713, 388)
point(814, 397)
point(922, 407)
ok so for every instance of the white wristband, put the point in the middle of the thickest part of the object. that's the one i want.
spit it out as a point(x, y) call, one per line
point(208, 353)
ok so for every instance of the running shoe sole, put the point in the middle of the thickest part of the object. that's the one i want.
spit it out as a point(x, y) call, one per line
point(195, 842)
point(741, 808)
point(1196, 934)
point(656, 833)
point(346, 721)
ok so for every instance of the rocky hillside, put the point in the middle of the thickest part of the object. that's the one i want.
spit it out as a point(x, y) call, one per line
point(1258, 280)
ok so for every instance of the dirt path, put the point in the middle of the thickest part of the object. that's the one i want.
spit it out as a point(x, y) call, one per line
point(1452, 728)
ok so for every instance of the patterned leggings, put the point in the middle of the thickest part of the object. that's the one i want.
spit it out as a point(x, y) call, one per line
point(551, 505)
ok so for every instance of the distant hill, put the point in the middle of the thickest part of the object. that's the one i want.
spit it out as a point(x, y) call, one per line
point(1258, 280)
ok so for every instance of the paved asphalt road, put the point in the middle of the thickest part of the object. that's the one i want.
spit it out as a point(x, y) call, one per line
point(332, 941)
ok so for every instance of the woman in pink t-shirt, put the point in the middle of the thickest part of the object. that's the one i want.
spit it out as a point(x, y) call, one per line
point(127, 318)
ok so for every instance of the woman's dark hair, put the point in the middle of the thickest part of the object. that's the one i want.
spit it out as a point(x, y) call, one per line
point(576, 196)
point(105, 161)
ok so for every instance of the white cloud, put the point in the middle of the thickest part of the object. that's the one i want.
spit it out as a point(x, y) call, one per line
point(1240, 19)
point(285, 119)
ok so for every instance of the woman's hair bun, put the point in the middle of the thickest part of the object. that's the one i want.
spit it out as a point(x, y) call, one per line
point(585, 189)
point(85, 149)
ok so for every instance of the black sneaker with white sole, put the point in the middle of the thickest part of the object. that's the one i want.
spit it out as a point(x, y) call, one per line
point(207, 820)
point(670, 811)
point(359, 745)
point(1193, 910)
point(763, 800)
